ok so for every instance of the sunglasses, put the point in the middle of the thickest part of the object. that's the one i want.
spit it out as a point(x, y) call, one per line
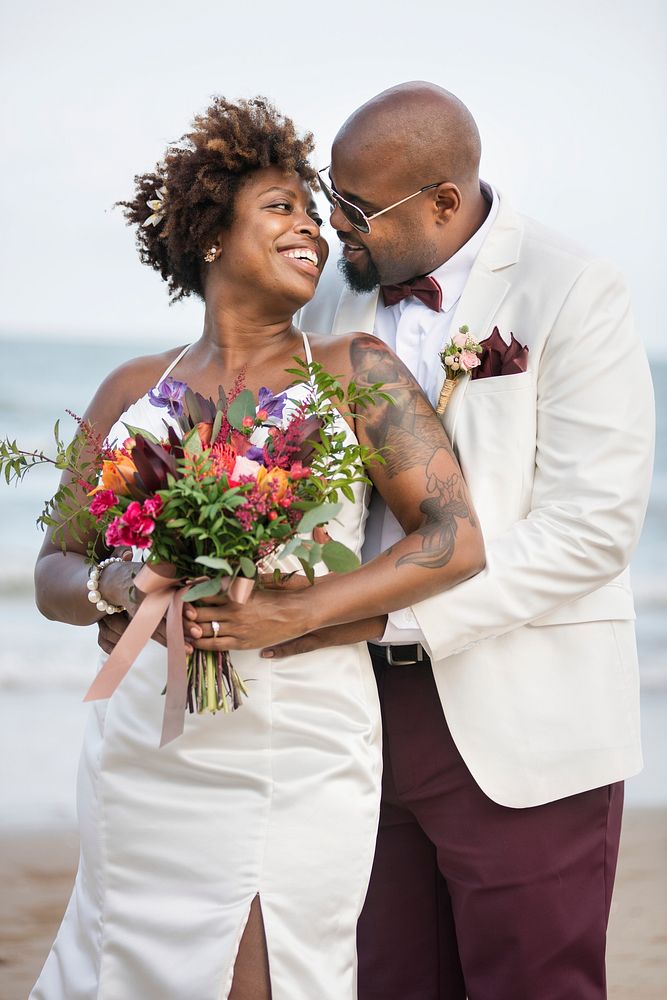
point(353, 214)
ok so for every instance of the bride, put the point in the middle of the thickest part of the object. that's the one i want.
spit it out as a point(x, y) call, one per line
point(233, 862)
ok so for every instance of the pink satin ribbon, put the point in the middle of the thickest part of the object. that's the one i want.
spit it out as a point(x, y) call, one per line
point(164, 593)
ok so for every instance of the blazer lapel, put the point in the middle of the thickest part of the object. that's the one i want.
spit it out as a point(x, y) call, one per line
point(483, 294)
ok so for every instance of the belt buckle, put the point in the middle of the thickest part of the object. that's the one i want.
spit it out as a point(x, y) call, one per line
point(404, 663)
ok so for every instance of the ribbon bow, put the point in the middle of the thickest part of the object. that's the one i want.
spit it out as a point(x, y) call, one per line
point(164, 592)
point(427, 290)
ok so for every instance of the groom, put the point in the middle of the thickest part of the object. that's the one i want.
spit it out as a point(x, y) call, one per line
point(510, 703)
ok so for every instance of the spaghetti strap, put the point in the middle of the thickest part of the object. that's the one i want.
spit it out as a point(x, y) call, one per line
point(173, 364)
point(306, 348)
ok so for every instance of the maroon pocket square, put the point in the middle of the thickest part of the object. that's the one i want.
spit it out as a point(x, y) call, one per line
point(499, 358)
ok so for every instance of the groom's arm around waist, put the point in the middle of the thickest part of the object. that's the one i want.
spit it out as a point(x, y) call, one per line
point(592, 468)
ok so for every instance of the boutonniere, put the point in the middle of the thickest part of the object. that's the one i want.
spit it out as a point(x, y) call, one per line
point(460, 356)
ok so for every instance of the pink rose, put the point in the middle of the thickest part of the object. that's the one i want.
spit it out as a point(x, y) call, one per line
point(469, 360)
point(245, 467)
point(101, 503)
point(460, 339)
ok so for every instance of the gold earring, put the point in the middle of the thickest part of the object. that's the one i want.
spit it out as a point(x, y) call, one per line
point(211, 255)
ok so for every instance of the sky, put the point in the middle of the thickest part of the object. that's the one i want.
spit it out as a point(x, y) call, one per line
point(570, 98)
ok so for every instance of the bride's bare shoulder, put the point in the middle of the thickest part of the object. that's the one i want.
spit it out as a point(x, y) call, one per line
point(126, 384)
point(135, 377)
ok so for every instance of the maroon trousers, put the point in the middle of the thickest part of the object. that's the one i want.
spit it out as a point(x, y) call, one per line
point(469, 898)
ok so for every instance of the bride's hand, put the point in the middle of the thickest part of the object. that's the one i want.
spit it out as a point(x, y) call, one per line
point(121, 586)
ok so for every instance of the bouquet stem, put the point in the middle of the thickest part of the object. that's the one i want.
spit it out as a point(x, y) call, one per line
point(213, 683)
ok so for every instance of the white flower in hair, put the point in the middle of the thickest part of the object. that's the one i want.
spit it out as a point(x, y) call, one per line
point(157, 207)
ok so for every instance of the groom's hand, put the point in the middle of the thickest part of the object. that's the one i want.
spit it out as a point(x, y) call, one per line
point(336, 635)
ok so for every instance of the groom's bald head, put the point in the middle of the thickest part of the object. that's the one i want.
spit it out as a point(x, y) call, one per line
point(417, 128)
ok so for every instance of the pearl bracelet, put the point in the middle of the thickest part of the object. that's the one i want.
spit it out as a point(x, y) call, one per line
point(93, 585)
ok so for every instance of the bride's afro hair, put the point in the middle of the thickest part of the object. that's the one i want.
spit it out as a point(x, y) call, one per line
point(202, 174)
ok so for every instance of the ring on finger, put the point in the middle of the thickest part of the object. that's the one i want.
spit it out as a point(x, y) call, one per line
point(216, 628)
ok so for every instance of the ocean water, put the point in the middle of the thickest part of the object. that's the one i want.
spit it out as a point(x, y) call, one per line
point(46, 666)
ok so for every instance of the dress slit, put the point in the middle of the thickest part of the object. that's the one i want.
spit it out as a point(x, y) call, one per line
point(264, 958)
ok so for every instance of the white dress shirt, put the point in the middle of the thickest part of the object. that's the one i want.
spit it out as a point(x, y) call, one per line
point(417, 334)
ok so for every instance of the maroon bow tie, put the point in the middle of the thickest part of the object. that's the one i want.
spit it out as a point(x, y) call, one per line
point(427, 290)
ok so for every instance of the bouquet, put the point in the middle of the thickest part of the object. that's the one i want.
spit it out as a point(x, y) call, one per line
point(458, 358)
point(232, 485)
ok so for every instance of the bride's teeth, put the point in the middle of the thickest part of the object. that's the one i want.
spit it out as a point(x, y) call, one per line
point(303, 254)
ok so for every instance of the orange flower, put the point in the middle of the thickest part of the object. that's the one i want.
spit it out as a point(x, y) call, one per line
point(118, 474)
point(274, 481)
point(204, 430)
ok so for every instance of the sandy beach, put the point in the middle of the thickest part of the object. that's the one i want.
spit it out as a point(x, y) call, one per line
point(37, 869)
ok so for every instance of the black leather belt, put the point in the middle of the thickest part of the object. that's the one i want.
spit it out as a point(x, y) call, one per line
point(401, 655)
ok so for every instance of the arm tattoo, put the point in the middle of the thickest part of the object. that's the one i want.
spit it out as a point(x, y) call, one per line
point(441, 509)
point(410, 435)
point(406, 431)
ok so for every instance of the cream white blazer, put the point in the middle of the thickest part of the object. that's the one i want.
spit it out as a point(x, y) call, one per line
point(535, 658)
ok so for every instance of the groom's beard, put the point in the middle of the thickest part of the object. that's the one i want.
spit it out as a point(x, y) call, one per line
point(358, 280)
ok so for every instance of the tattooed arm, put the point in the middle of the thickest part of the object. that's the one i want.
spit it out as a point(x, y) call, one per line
point(421, 483)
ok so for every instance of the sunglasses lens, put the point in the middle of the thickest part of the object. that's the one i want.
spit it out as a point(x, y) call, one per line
point(353, 214)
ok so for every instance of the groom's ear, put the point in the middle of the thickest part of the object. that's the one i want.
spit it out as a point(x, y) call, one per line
point(447, 201)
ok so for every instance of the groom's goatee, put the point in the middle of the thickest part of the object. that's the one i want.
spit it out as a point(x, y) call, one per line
point(357, 280)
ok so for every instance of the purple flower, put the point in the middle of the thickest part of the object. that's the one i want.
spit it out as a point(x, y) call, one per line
point(272, 405)
point(255, 453)
point(169, 393)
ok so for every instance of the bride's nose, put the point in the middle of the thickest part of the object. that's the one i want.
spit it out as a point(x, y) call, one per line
point(304, 225)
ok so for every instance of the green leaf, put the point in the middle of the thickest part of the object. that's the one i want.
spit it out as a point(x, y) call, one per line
point(338, 558)
point(192, 442)
point(213, 562)
point(192, 406)
point(208, 588)
point(248, 567)
point(240, 407)
point(318, 515)
point(308, 570)
point(217, 424)
point(133, 431)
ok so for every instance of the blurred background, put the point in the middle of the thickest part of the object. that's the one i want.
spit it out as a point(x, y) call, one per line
point(570, 98)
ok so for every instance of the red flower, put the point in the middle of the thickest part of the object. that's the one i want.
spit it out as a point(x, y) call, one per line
point(118, 534)
point(153, 506)
point(135, 518)
point(134, 527)
point(101, 503)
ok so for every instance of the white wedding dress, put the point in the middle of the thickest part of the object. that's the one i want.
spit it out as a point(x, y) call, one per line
point(278, 800)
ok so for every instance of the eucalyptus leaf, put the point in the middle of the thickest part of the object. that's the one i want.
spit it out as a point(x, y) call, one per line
point(338, 558)
point(308, 570)
point(318, 515)
point(208, 588)
point(248, 567)
point(240, 407)
point(213, 562)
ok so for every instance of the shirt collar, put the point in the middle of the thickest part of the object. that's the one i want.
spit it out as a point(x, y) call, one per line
point(453, 274)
